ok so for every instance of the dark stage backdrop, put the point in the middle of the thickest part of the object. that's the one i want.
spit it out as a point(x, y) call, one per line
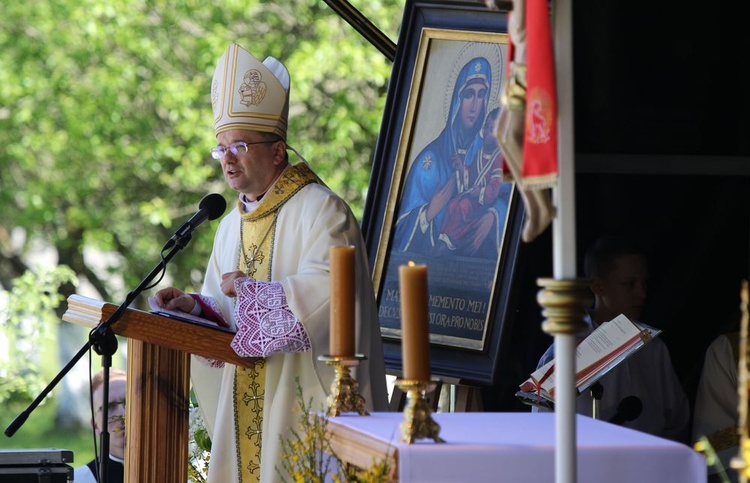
point(662, 155)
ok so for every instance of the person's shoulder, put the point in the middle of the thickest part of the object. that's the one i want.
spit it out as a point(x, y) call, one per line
point(83, 474)
point(230, 219)
point(317, 195)
point(232, 212)
point(724, 341)
point(725, 348)
point(320, 190)
point(655, 345)
point(654, 353)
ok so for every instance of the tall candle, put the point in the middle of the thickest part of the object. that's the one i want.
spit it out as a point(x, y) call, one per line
point(343, 284)
point(415, 337)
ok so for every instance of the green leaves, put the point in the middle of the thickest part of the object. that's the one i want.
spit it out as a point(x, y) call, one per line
point(106, 125)
point(25, 312)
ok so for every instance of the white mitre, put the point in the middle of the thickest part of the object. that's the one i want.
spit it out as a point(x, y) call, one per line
point(249, 94)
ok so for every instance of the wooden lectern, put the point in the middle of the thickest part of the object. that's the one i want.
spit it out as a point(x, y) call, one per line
point(159, 351)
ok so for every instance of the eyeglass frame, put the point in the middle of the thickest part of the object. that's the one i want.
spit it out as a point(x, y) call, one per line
point(219, 152)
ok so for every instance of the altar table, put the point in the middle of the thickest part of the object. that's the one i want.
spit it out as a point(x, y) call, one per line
point(512, 447)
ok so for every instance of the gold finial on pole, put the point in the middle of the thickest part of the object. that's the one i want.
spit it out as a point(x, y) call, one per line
point(564, 304)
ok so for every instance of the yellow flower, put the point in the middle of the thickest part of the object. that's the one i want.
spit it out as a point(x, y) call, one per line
point(307, 456)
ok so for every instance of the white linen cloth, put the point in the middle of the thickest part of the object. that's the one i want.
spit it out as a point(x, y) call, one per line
point(520, 447)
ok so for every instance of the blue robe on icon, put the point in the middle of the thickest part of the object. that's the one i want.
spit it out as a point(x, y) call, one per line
point(433, 168)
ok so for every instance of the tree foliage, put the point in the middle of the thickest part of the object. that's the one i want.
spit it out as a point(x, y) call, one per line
point(30, 301)
point(105, 121)
point(106, 126)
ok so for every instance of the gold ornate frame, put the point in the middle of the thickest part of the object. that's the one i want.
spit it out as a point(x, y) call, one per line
point(436, 41)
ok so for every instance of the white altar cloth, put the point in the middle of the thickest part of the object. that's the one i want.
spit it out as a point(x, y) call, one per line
point(520, 447)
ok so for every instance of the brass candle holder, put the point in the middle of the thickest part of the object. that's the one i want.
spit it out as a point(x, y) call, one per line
point(345, 396)
point(418, 422)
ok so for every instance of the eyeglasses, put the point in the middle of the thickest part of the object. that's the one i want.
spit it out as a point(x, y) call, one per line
point(240, 147)
point(112, 406)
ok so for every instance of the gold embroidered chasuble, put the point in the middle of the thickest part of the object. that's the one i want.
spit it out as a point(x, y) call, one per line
point(257, 233)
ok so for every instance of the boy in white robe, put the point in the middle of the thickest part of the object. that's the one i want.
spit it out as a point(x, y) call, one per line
point(619, 277)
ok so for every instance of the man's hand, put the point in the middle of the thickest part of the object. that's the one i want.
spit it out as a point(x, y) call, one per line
point(171, 298)
point(227, 282)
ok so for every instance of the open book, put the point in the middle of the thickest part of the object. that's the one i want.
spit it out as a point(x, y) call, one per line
point(184, 317)
point(602, 350)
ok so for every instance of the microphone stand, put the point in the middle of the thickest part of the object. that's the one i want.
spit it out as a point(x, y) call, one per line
point(104, 342)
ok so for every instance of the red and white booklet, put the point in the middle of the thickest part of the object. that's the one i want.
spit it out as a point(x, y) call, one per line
point(603, 349)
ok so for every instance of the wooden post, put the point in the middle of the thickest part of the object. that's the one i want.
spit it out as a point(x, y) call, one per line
point(157, 413)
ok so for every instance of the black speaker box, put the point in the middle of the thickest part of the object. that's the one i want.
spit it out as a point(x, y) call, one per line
point(49, 465)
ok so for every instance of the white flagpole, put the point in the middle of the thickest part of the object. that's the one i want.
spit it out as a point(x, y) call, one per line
point(564, 241)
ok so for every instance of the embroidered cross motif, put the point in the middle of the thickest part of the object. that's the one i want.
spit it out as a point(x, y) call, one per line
point(258, 256)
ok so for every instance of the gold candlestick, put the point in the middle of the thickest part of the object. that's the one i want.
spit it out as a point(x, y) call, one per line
point(345, 396)
point(418, 422)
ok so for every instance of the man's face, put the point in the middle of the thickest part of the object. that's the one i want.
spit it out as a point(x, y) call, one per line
point(116, 414)
point(623, 290)
point(472, 103)
point(250, 173)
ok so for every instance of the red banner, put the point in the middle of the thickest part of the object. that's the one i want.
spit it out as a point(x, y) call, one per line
point(540, 133)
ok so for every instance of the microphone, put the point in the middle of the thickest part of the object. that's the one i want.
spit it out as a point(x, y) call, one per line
point(211, 207)
point(628, 410)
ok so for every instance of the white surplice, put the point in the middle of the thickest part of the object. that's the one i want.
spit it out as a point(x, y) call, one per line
point(308, 224)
